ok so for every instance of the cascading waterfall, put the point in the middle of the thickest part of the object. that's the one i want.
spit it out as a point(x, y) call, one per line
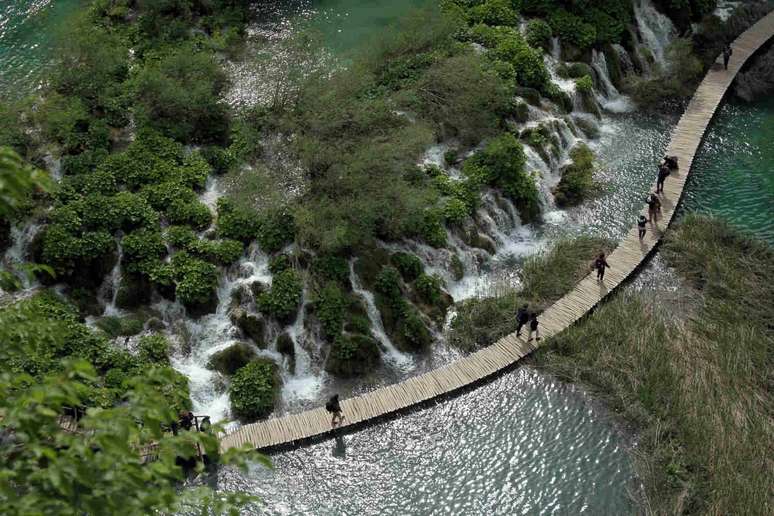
point(108, 292)
point(304, 382)
point(656, 30)
point(610, 99)
point(18, 253)
point(390, 354)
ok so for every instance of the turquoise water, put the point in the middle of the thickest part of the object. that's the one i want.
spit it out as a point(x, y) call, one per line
point(733, 175)
point(28, 33)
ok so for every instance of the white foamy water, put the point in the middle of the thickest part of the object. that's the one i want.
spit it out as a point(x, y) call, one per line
point(656, 30)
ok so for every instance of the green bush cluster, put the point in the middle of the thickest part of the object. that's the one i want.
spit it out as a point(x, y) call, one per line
point(329, 267)
point(114, 326)
point(330, 308)
point(494, 12)
point(538, 33)
point(154, 349)
point(142, 250)
point(501, 164)
point(409, 266)
point(62, 336)
point(195, 280)
point(284, 297)
point(253, 389)
point(401, 319)
point(584, 84)
point(279, 263)
point(577, 178)
point(572, 29)
point(429, 289)
point(353, 355)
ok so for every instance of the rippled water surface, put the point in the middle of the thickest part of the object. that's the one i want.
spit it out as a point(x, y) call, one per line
point(733, 174)
point(524, 444)
point(28, 29)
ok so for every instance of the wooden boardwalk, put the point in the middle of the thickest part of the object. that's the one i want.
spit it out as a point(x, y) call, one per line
point(294, 429)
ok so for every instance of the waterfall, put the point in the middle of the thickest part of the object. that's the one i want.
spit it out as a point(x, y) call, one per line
point(108, 292)
point(610, 98)
point(304, 383)
point(18, 253)
point(656, 29)
point(556, 48)
point(211, 194)
point(390, 353)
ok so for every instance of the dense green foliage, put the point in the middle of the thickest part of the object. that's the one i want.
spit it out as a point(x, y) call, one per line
point(698, 388)
point(253, 389)
point(284, 297)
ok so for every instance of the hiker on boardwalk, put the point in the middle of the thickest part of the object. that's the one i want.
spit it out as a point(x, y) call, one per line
point(522, 317)
point(641, 226)
point(727, 51)
point(654, 207)
point(600, 264)
point(335, 409)
point(533, 327)
point(663, 173)
point(186, 419)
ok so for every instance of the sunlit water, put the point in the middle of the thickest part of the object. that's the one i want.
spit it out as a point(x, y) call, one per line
point(523, 444)
point(733, 174)
point(28, 30)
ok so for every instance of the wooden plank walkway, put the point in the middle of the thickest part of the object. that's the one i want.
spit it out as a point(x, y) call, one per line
point(294, 429)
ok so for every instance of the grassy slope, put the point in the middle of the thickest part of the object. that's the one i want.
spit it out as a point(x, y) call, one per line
point(699, 390)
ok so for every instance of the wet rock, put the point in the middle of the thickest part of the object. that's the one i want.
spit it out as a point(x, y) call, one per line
point(352, 356)
point(483, 242)
point(457, 268)
point(155, 324)
point(287, 348)
point(240, 295)
point(531, 95)
point(253, 327)
point(588, 126)
point(197, 310)
point(228, 361)
point(87, 302)
point(258, 288)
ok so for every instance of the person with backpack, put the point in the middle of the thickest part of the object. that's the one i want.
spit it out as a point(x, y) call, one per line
point(334, 408)
point(641, 226)
point(654, 207)
point(663, 173)
point(533, 327)
point(600, 264)
point(727, 51)
point(522, 317)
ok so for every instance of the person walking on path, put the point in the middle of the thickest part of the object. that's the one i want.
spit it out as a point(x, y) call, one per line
point(663, 173)
point(600, 264)
point(533, 327)
point(727, 51)
point(641, 226)
point(522, 318)
point(334, 408)
point(654, 207)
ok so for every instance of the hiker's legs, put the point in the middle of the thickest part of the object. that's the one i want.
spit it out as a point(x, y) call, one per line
point(642, 233)
point(518, 328)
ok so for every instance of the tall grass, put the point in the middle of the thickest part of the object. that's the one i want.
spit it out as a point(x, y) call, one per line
point(698, 390)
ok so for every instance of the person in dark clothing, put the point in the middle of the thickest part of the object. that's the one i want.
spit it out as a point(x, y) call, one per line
point(533, 327)
point(663, 173)
point(727, 51)
point(334, 408)
point(186, 419)
point(600, 264)
point(205, 425)
point(522, 317)
point(641, 226)
point(654, 207)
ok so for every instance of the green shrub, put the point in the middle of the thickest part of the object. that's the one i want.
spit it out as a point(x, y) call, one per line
point(228, 361)
point(414, 335)
point(388, 284)
point(180, 237)
point(279, 263)
point(501, 164)
point(572, 29)
point(455, 211)
point(142, 250)
point(131, 211)
point(253, 389)
point(277, 229)
point(527, 63)
point(220, 252)
point(84, 162)
point(585, 85)
point(429, 289)
point(119, 326)
point(431, 229)
point(329, 267)
point(218, 158)
point(236, 223)
point(330, 308)
point(577, 178)
point(494, 12)
point(67, 253)
point(409, 266)
point(353, 355)
point(538, 33)
point(191, 212)
point(195, 280)
point(284, 297)
point(154, 349)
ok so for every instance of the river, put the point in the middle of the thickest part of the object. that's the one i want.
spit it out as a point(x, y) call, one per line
point(525, 443)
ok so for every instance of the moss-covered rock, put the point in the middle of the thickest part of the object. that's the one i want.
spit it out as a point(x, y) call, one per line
point(114, 326)
point(253, 327)
point(457, 268)
point(133, 290)
point(286, 347)
point(254, 389)
point(87, 301)
point(353, 355)
point(531, 95)
point(228, 361)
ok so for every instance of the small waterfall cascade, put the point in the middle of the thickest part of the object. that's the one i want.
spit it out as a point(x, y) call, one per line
point(304, 382)
point(610, 98)
point(656, 30)
point(211, 193)
point(390, 354)
point(108, 292)
point(18, 253)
